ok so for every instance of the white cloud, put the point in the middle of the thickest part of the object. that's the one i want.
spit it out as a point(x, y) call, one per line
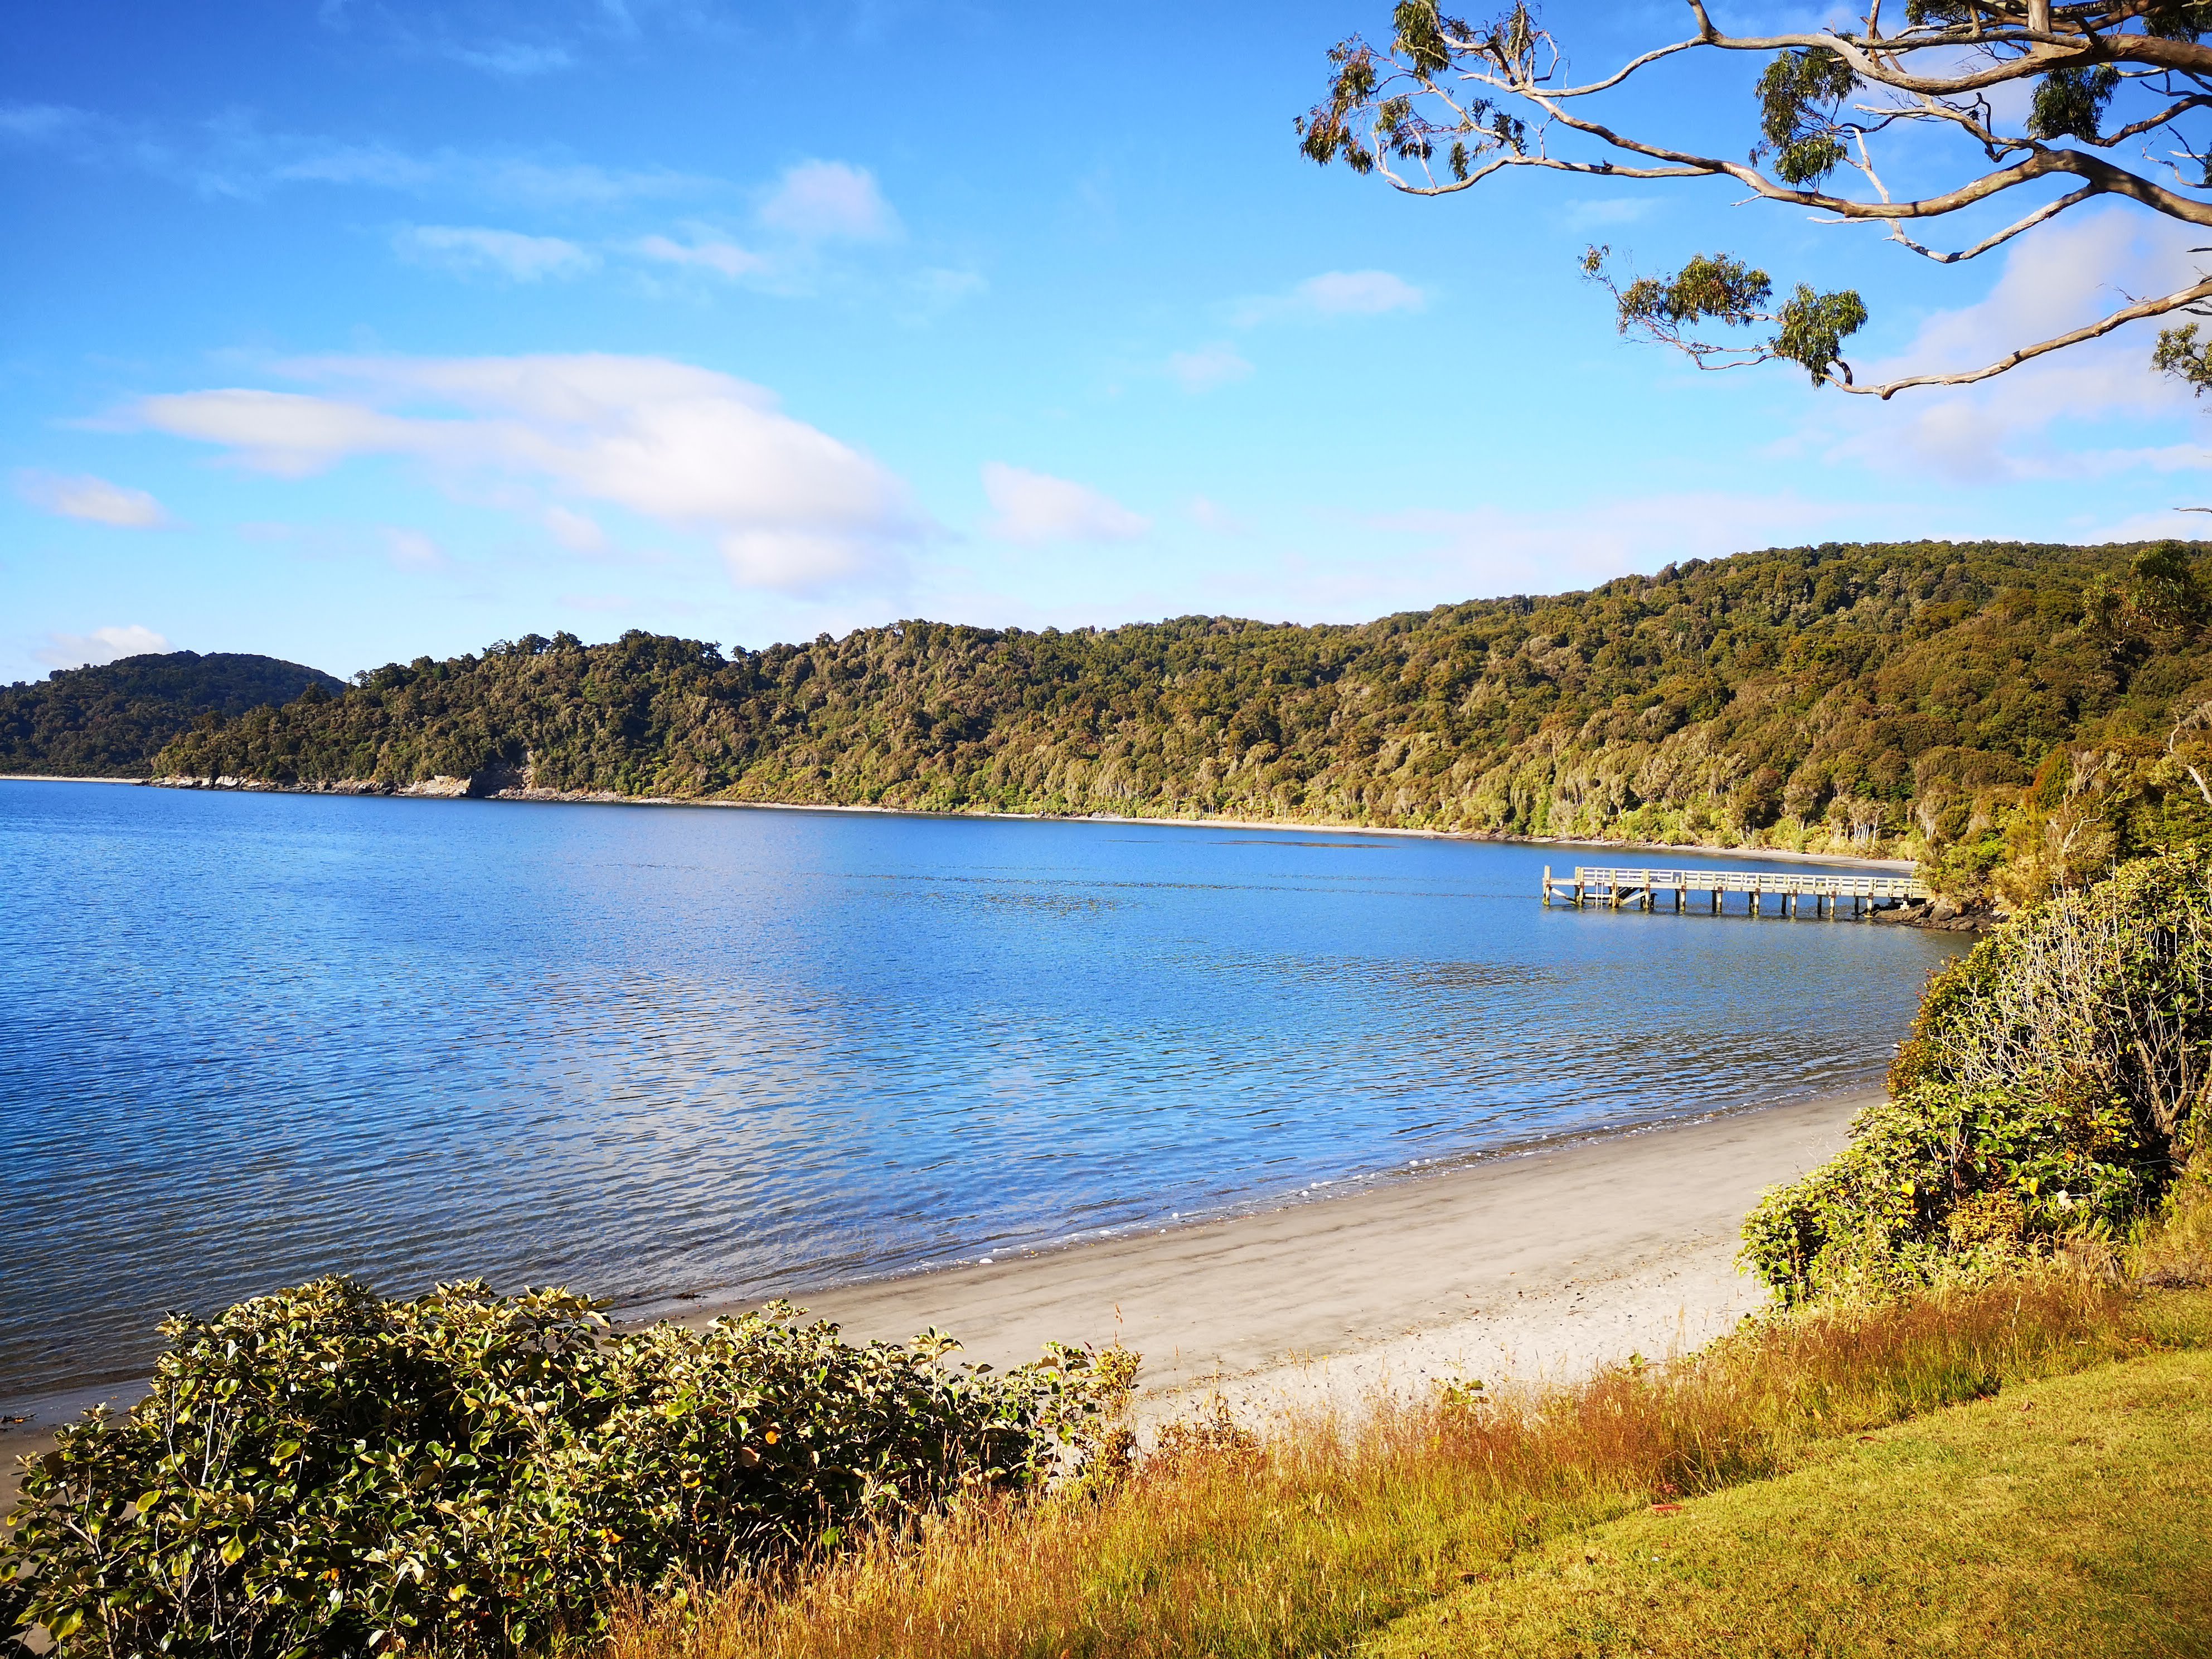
point(411, 550)
point(1211, 515)
point(1334, 293)
point(939, 288)
point(1208, 367)
point(705, 252)
point(1609, 210)
point(1035, 509)
point(472, 249)
point(577, 531)
point(253, 163)
point(232, 155)
point(101, 645)
point(84, 496)
point(516, 59)
point(828, 201)
point(40, 124)
point(788, 505)
point(2054, 279)
point(1492, 549)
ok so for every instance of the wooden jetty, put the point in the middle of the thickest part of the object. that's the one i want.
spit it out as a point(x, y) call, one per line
point(1613, 889)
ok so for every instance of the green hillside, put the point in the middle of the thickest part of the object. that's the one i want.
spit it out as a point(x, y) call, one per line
point(1927, 699)
point(110, 721)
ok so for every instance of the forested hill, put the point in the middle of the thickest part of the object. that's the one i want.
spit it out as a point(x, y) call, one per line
point(112, 720)
point(1927, 699)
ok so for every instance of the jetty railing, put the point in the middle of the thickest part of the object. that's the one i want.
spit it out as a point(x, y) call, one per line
point(1613, 889)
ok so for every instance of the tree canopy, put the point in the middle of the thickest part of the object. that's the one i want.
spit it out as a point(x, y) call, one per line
point(2118, 92)
point(111, 721)
point(2010, 713)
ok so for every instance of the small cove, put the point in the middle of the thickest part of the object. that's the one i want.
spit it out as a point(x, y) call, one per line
point(653, 1051)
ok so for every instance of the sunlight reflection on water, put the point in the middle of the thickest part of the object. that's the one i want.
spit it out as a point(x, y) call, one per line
point(253, 1038)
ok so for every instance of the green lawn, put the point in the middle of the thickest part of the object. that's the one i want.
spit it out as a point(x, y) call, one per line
point(2071, 1517)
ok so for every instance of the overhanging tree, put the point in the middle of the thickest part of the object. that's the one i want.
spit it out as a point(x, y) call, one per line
point(2119, 92)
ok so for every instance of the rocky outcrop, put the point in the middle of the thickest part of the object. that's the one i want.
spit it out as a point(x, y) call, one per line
point(504, 782)
point(1942, 916)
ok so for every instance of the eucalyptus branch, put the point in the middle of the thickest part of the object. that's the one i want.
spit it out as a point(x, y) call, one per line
point(2195, 294)
point(1449, 104)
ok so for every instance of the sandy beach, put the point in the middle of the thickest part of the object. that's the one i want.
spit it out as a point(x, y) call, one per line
point(1536, 1266)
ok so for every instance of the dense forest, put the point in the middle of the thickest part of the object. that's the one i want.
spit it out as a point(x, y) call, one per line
point(110, 721)
point(2015, 715)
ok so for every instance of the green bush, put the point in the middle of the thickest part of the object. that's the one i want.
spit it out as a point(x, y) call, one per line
point(2053, 1085)
point(326, 1472)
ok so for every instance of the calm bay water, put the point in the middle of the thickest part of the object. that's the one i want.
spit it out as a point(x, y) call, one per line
point(248, 1039)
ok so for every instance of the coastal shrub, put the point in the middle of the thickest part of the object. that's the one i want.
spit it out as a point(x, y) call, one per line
point(1308, 1535)
point(2053, 1087)
point(326, 1472)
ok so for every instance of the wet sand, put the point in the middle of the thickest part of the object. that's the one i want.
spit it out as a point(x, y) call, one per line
point(1538, 1265)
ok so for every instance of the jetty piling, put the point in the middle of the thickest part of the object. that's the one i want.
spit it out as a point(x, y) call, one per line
point(1614, 888)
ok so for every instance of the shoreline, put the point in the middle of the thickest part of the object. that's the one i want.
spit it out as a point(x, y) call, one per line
point(1538, 1265)
point(48, 777)
point(552, 798)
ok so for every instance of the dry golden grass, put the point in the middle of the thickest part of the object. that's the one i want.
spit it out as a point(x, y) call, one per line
point(1326, 1531)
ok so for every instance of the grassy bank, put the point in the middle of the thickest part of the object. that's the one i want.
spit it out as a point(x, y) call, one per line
point(2064, 1517)
point(1328, 1535)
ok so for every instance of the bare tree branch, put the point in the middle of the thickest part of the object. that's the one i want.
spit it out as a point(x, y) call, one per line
point(1450, 105)
point(2158, 307)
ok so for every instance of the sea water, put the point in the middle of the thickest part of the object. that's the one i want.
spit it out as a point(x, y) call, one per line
point(248, 1039)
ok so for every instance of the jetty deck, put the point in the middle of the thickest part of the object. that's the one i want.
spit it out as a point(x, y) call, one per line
point(1613, 889)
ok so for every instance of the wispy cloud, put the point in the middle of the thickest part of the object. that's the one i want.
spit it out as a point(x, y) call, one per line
point(2037, 421)
point(41, 124)
point(938, 287)
point(1606, 212)
point(414, 550)
point(1332, 294)
point(1207, 368)
point(234, 155)
point(828, 201)
point(1035, 509)
point(1209, 514)
point(577, 531)
point(788, 505)
point(515, 60)
point(516, 41)
point(102, 645)
point(94, 500)
point(706, 251)
point(477, 250)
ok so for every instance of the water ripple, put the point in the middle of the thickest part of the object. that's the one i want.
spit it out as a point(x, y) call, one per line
point(248, 1039)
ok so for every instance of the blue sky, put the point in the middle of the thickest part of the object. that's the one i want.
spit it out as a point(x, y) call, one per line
point(354, 331)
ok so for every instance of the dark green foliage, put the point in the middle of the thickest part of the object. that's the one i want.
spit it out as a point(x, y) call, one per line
point(1883, 698)
point(1814, 328)
point(1421, 37)
point(2179, 354)
point(323, 1471)
point(1811, 328)
point(111, 721)
point(2071, 102)
point(2178, 19)
point(1715, 286)
point(1798, 96)
point(2055, 1083)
